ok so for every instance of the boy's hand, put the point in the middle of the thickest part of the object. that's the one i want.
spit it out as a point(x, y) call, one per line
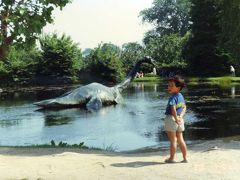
point(179, 120)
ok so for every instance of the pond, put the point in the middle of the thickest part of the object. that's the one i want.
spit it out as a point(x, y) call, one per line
point(213, 112)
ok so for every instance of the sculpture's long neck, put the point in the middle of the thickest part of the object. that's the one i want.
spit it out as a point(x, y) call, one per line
point(131, 75)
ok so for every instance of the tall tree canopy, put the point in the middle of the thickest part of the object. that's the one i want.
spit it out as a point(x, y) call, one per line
point(167, 50)
point(229, 39)
point(168, 16)
point(202, 51)
point(131, 53)
point(22, 20)
point(104, 62)
point(61, 59)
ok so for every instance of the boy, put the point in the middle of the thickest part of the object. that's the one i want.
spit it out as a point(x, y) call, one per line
point(174, 124)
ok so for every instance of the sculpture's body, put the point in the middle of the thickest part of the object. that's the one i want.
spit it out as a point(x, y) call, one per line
point(94, 95)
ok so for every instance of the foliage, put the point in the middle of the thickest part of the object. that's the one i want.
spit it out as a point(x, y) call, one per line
point(148, 78)
point(131, 53)
point(202, 55)
point(61, 58)
point(22, 66)
point(168, 16)
point(104, 62)
point(4, 73)
point(221, 81)
point(63, 144)
point(22, 20)
point(229, 38)
point(167, 50)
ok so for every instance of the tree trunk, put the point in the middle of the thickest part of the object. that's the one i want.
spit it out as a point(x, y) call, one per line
point(4, 47)
point(3, 52)
point(6, 40)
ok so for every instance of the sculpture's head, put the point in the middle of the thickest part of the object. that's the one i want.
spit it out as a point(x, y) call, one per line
point(148, 59)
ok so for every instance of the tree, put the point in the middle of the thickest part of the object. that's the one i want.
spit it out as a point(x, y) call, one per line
point(131, 53)
point(168, 16)
point(23, 64)
point(229, 20)
point(167, 50)
point(201, 52)
point(104, 62)
point(22, 20)
point(22, 67)
point(61, 59)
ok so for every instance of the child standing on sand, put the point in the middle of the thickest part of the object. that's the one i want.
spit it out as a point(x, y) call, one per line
point(174, 123)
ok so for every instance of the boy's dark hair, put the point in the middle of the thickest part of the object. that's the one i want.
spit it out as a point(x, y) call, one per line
point(178, 80)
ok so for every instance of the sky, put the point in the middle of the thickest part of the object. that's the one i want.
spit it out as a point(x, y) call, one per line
point(90, 22)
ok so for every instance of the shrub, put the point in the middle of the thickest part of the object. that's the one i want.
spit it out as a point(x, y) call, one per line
point(61, 59)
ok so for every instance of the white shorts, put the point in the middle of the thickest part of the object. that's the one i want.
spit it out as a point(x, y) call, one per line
point(171, 125)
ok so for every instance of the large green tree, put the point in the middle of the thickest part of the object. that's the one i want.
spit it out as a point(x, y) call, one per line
point(167, 16)
point(229, 20)
point(22, 20)
point(202, 52)
point(167, 50)
point(131, 53)
point(104, 62)
point(61, 59)
point(22, 67)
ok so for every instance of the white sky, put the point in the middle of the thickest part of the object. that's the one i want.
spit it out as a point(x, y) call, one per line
point(90, 22)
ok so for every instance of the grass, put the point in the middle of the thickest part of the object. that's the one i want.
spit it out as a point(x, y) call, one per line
point(222, 81)
point(62, 144)
point(148, 78)
point(52, 144)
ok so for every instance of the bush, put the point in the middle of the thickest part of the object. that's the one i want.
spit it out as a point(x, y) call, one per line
point(20, 67)
point(61, 60)
point(104, 62)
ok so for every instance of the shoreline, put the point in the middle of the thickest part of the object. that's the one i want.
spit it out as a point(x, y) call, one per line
point(147, 149)
point(201, 145)
point(216, 159)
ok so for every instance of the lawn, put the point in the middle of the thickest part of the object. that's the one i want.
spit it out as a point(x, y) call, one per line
point(224, 80)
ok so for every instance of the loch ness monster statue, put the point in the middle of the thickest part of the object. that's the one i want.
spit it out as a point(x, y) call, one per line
point(94, 95)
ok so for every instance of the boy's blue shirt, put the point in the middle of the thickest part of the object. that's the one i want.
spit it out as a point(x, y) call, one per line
point(175, 100)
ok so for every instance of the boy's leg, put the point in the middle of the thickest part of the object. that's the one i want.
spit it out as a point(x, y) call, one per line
point(173, 143)
point(182, 144)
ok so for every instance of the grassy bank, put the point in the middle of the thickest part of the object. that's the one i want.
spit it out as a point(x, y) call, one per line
point(62, 144)
point(223, 81)
point(148, 78)
point(193, 80)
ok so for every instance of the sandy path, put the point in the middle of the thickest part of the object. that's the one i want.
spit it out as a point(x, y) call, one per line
point(56, 163)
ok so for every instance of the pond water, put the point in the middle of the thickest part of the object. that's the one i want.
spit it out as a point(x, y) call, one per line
point(213, 112)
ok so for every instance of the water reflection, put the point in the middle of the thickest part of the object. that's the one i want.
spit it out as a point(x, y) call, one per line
point(137, 122)
point(219, 113)
point(52, 120)
point(9, 123)
point(233, 90)
point(61, 117)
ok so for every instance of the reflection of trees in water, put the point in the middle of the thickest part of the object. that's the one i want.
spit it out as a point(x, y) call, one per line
point(9, 123)
point(142, 87)
point(61, 117)
point(233, 91)
point(218, 109)
point(51, 120)
point(161, 134)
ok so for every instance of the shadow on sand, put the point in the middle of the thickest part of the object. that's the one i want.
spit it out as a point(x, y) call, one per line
point(136, 164)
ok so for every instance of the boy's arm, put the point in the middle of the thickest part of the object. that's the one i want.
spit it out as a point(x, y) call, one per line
point(174, 114)
point(183, 111)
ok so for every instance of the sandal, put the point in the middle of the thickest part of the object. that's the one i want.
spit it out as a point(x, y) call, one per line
point(184, 161)
point(169, 161)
